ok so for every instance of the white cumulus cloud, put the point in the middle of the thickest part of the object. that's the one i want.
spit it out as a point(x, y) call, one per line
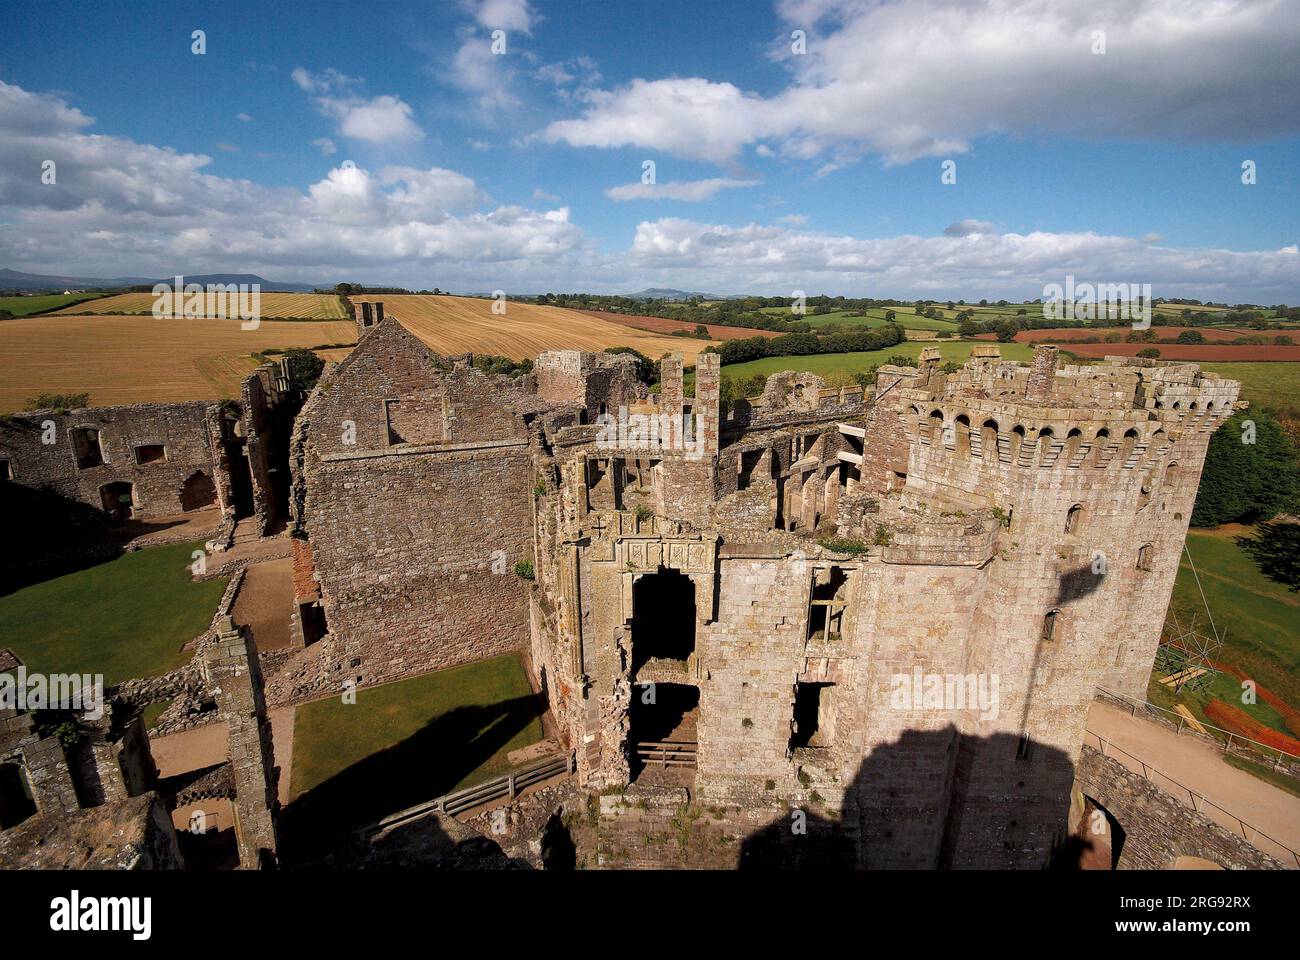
point(928, 77)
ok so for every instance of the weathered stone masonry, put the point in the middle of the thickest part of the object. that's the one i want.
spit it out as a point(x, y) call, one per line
point(772, 571)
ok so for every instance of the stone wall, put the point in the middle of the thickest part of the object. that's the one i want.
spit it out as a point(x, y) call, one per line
point(413, 544)
point(1159, 828)
point(96, 446)
point(1011, 531)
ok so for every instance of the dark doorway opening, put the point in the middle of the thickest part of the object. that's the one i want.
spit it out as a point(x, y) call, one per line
point(748, 461)
point(198, 491)
point(663, 617)
point(663, 718)
point(312, 617)
point(118, 499)
point(16, 803)
point(241, 479)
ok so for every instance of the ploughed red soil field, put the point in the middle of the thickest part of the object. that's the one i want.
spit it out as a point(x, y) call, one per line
point(664, 325)
point(1211, 334)
point(1191, 352)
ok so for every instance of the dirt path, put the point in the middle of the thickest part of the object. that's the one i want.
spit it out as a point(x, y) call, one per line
point(265, 603)
point(189, 750)
point(1201, 767)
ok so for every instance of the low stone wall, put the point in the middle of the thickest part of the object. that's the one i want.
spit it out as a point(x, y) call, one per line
point(1158, 827)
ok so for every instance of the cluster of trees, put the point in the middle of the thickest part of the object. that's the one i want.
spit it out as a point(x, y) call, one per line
point(492, 364)
point(804, 344)
point(1246, 482)
point(351, 289)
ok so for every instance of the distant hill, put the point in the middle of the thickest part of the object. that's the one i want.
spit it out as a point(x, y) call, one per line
point(16, 280)
point(667, 293)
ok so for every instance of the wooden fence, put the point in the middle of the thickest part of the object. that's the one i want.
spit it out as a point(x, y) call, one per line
point(505, 787)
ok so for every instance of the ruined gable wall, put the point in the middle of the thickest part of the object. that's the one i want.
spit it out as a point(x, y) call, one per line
point(416, 555)
point(414, 545)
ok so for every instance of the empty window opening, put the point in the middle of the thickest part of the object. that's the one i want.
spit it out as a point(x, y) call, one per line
point(16, 803)
point(663, 617)
point(6, 471)
point(118, 500)
point(1050, 623)
point(1072, 518)
point(600, 485)
point(1024, 748)
point(1171, 477)
point(1144, 557)
point(830, 595)
point(662, 723)
point(393, 417)
point(814, 716)
point(151, 453)
point(87, 447)
point(748, 461)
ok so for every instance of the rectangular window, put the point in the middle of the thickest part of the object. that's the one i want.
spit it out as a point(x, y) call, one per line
point(1023, 748)
point(748, 461)
point(6, 471)
point(151, 453)
point(1049, 626)
point(814, 715)
point(393, 416)
point(830, 595)
point(87, 448)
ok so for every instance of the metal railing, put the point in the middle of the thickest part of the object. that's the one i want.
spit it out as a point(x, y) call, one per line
point(1251, 834)
point(505, 787)
point(1234, 743)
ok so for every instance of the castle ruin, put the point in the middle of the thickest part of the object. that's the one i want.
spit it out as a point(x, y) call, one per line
point(892, 602)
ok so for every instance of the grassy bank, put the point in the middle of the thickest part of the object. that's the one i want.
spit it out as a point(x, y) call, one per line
point(125, 618)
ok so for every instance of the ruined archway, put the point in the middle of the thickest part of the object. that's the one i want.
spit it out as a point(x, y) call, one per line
point(198, 491)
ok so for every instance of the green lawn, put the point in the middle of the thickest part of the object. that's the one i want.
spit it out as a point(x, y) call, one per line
point(424, 737)
point(23, 306)
point(1256, 616)
point(844, 365)
point(125, 618)
point(1273, 386)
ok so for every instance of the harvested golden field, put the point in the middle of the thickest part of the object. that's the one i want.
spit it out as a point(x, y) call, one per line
point(452, 325)
point(141, 359)
point(319, 306)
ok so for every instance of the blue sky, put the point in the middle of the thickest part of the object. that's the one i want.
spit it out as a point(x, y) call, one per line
point(386, 142)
